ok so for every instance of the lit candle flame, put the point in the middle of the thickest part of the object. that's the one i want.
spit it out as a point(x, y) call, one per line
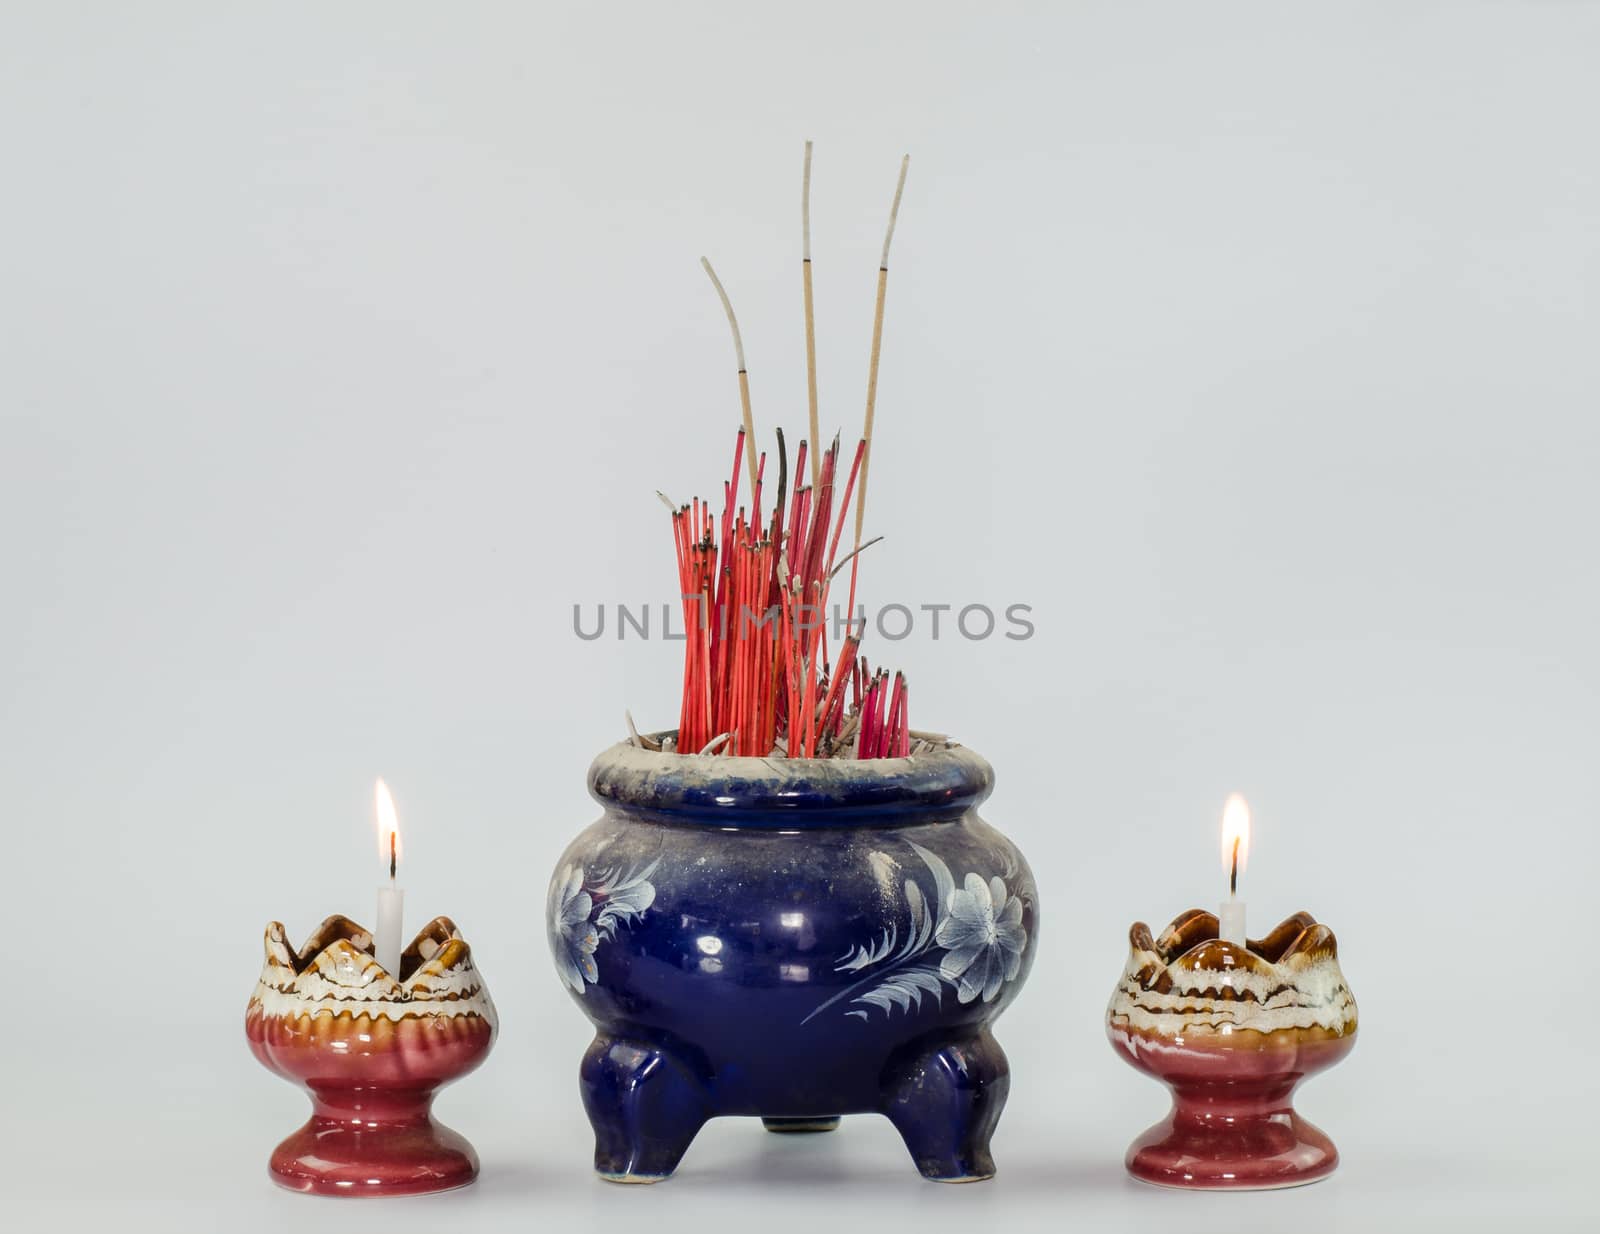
point(389, 848)
point(1235, 838)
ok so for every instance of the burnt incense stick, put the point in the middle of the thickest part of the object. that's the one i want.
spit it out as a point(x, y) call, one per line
point(744, 377)
point(811, 321)
point(851, 556)
point(644, 743)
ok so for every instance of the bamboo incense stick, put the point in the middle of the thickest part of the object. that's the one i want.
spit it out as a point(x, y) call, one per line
point(744, 375)
point(811, 321)
point(872, 364)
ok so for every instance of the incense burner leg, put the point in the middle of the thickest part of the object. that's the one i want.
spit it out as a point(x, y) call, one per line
point(802, 1126)
point(645, 1106)
point(945, 1099)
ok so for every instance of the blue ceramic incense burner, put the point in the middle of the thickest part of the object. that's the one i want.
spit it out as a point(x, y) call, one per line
point(795, 940)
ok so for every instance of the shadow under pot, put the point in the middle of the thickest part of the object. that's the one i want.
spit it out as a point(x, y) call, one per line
point(794, 940)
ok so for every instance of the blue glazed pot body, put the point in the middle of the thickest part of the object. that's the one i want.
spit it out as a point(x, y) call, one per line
point(792, 940)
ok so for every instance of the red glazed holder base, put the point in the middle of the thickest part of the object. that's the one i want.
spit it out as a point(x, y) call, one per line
point(1233, 1126)
point(374, 1143)
point(1259, 1153)
point(371, 1131)
point(1237, 1129)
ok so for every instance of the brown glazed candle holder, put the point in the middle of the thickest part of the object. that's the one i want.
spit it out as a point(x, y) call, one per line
point(1232, 1030)
point(372, 1050)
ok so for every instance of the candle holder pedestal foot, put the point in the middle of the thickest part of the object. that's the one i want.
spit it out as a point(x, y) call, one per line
point(1230, 1136)
point(386, 1143)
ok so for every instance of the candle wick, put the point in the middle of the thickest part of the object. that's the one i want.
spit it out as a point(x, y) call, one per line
point(392, 856)
point(1233, 875)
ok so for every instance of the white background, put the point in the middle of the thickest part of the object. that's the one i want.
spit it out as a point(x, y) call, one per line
point(342, 348)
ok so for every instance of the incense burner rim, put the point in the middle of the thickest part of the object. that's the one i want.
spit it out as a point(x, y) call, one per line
point(730, 791)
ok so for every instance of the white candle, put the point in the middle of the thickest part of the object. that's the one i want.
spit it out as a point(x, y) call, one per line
point(1235, 852)
point(391, 898)
point(1230, 921)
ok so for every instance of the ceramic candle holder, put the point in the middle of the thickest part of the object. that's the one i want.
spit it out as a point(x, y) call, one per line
point(1232, 1030)
point(372, 1048)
